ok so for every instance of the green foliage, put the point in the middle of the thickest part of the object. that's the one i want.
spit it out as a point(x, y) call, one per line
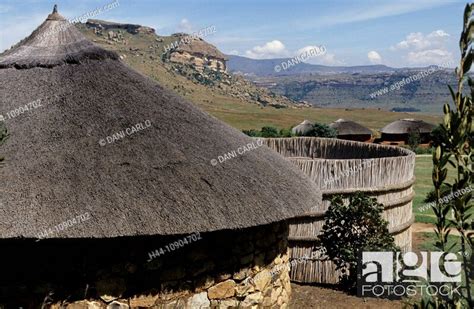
point(352, 228)
point(454, 147)
point(269, 132)
point(414, 140)
point(322, 130)
point(437, 136)
point(252, 133)
point(432, 197)
point(286, 133)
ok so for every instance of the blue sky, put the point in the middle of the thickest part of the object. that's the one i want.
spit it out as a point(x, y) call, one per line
point(395, 33)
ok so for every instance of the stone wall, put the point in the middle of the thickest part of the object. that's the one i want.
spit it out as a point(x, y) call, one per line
point(227, 269)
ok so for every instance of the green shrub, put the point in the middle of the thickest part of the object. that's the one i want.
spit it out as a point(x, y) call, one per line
point(413, 140)
point(269, 132)
point(286, 133)
point(322, 130)
point(252, 133)
point(352, 228)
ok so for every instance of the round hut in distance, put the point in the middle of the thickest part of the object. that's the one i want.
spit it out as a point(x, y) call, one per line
point(303, 128)
point(398, 132)
point(113, 195)
point(350, 130)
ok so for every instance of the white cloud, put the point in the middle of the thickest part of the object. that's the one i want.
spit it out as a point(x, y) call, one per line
point(185, 26)
point(421, 49)
point(430, 56)
point(419, 41)
point(312, 50)
point(374, 57)
point(328, 59)
point(271, 49)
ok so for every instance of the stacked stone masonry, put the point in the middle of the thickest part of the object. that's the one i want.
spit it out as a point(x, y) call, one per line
point(228, 269)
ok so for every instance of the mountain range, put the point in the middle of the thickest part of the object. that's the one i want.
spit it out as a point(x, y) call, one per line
point(370, 86)
point(266, 67)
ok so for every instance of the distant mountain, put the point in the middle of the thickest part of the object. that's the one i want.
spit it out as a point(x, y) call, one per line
point(266, 67)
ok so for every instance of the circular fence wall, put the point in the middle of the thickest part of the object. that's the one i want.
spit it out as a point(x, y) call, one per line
point(343, 167)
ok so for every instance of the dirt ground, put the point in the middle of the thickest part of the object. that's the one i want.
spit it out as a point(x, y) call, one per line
point(306, 296)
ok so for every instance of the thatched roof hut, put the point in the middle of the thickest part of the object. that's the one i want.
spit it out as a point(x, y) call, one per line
point(303, 128)
point(70, 156)
point(398, 132)
point(350, 130)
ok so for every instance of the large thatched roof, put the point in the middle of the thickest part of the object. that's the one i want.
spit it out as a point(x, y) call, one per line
point(303, 128)
point(158, 181)
point(348, 127)
point(405, 126)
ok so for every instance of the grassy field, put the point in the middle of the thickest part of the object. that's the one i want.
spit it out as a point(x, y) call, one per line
point(423, 185)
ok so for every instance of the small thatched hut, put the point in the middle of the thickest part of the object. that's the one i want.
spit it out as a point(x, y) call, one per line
point(118, 179)
point(303, 128)
point(398, 132)
point(340, 167)
point(350, 130)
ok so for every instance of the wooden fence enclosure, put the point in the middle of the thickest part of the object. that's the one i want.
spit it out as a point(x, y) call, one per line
point(343, 167)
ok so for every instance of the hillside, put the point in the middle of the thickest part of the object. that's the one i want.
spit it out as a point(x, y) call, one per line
point(354, 87)
point(240, 103)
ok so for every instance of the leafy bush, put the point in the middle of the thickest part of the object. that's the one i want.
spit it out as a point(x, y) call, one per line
point(432, 197)
point(322, 130)
point(286, 133)
point(414, 140)
point(454, 148)
point(352, 228)
point(252, 133)
point(269, 132)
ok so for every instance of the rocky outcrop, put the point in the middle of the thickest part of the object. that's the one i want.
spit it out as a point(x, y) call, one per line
point(102, 25)
point(192, 50)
